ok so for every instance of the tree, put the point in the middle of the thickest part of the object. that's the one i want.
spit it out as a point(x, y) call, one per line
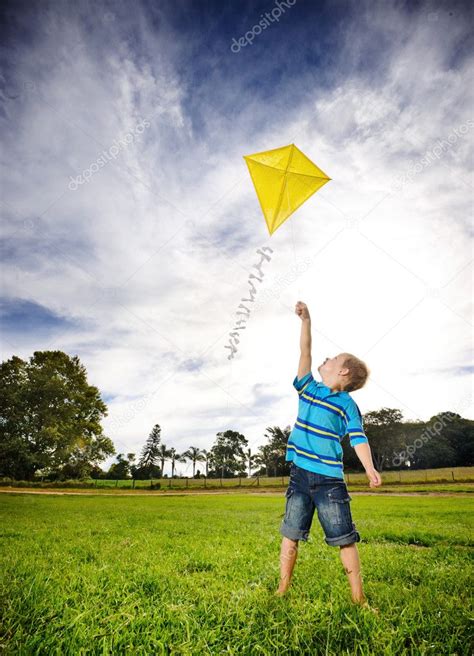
point(49, 417)
point(446, 440)
point(384, 430)
point(263, 458)
point(278, 443)
point(272, 455)
point(163, 454)
point(119, 470)
point(207, 457)
point(175, 457)
point(131, 457)
point(227, 455)
point(250, 460)
point(459, 434)
point(150, 452)
point(195, 455)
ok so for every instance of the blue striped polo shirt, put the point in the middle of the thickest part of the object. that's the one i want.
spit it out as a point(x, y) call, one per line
point(324, 418)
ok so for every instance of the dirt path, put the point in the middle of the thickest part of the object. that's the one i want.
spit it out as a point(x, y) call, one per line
point(224, 492)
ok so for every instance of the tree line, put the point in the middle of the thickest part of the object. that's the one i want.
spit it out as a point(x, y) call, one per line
point(50, 426)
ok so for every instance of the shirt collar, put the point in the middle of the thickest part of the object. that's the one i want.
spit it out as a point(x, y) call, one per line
point(334, 393)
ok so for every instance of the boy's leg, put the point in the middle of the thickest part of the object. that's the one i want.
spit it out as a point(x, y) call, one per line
point(288, 555)
point(351, 562)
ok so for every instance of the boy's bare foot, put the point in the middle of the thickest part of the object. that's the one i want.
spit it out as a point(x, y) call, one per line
point(281, 590)
point(363, 603)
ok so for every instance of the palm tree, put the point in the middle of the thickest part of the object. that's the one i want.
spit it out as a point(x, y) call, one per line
point(194, 454)
point(250, 460)
point(207, 458)
point(175, 457)
point(163, 454)
point(278, 439)
point(264, 458)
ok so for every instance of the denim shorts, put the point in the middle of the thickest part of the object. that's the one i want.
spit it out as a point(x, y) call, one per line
point(307, 491)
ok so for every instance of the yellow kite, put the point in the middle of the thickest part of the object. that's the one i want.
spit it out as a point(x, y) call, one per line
point(283, 179)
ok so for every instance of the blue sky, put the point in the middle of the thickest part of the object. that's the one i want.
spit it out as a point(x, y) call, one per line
point(130, 225)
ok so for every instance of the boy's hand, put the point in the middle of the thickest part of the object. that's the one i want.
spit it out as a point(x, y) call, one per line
point(301, 309)
point(374, 478)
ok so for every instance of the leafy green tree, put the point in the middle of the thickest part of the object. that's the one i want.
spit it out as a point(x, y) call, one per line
point(384, 430)
point(227, 457)
point(119, 470)
point(271, 456)
point(446, 440)
point(131, 457)
point(49, 417)
point(459, 433)
point(97, 473)
point(278, 442)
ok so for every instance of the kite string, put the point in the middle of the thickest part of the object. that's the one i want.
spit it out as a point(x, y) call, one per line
point(294, 244)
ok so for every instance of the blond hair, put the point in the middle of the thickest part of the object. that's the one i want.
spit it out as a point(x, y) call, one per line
point(358, 372)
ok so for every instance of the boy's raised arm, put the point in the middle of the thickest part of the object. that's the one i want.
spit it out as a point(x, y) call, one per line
point(304, 367)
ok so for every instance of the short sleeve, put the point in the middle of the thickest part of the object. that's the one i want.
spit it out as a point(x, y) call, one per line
point(355, 425)
point(301, 384)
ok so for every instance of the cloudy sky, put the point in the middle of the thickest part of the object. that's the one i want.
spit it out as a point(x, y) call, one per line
point(130, 225)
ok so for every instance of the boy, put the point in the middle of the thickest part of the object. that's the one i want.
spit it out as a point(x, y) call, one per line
point(326, 413)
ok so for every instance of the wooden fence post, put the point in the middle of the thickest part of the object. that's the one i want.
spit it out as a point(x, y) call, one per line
point(452, 474)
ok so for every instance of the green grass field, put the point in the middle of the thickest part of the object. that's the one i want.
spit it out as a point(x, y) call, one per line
point(196, 575)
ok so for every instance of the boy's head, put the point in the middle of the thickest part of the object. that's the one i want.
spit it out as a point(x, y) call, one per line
point(344, 373)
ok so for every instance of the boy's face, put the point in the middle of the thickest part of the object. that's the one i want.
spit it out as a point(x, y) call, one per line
point(332, 366)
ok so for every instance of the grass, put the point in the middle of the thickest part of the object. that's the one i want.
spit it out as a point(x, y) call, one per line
point(176, 575)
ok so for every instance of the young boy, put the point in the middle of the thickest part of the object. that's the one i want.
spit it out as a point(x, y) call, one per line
point(326, 413)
